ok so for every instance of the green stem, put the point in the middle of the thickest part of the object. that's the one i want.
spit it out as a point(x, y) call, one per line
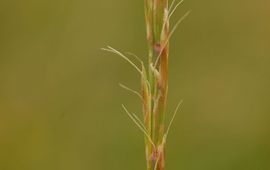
point(155, 22)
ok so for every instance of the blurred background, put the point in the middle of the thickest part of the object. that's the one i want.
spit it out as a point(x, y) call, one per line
point(60, 103)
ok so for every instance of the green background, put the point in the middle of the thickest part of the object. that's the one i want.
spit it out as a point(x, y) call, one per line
point(60, 103)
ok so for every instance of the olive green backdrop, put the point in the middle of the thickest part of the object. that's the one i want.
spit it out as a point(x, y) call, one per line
point(60, 104)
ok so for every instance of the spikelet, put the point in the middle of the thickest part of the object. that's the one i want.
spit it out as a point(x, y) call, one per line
point(154, 80)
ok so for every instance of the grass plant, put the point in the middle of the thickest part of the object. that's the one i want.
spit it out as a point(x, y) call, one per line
point(154, 80)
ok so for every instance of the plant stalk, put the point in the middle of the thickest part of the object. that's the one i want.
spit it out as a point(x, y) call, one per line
point(155, 97)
